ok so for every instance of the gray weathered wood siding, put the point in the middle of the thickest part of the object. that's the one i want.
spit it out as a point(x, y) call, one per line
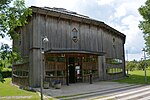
point(112, 48)
point(59, 33)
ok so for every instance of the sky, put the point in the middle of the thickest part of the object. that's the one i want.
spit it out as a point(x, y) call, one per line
point(122, 15)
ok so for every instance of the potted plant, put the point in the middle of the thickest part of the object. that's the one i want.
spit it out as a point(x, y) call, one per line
point(46, 85)
point(57, 84)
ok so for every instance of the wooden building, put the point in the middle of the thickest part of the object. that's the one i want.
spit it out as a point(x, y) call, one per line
point(78, 46)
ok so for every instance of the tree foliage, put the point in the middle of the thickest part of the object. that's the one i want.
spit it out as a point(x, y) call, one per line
point(144, 25)
point(5, 55)
point(131, 65)
point(13, 14)
point(137, 65)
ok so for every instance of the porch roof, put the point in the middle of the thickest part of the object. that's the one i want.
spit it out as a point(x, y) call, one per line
point(74, 51)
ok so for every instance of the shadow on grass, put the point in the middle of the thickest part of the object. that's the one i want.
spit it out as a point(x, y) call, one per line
point(135, 79)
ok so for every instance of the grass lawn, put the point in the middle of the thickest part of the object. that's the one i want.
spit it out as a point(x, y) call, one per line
point(136, 77)
point(7, 89)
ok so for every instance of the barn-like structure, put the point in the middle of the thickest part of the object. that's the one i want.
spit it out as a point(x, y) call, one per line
point(78, 46)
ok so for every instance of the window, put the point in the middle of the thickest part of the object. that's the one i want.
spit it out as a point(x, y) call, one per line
point(86, 72)
point(113, 61)
point(60, 73)
point(57, 59)
point(75, 35)
point(50, 73)
point(55, 66)
point(114, 70)
point(113, 40)
point(89, 59)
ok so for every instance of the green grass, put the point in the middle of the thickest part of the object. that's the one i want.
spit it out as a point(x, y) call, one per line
point(7, 89)
point(136, 77)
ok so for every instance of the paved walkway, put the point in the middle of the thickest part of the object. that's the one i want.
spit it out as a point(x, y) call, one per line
point(139, 93)
point(85, 88)
point(15, 97)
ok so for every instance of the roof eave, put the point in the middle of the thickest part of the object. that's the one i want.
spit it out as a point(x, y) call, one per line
point(86, 20)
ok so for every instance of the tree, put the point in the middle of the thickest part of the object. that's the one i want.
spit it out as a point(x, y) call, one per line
point(5, 53)
point(131, 65)
point(144, 25)
point(140, 65)
point(12, 16)
point(7, 56)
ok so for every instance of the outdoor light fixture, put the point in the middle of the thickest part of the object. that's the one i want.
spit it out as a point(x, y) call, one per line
point(42, 40)
point(45, 39)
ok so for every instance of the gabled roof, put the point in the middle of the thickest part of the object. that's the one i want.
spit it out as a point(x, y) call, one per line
point(66, 14)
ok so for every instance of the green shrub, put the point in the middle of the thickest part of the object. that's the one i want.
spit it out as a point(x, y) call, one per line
point(6, 74)
point(1, 78)
point(7, 69)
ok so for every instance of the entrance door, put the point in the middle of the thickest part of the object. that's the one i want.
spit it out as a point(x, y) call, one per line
point(72, 78)
point(75, 69)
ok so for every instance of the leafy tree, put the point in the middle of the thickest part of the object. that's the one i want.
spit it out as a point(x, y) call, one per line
point(144, 25)
point(131, 65)
point(12, 16)
point(5, 55)
point(140, 65)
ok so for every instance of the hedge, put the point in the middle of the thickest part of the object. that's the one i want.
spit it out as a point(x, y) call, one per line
point(6, 74)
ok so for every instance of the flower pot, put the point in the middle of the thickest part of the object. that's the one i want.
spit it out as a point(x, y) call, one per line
point(57, 85)
point(46, 85)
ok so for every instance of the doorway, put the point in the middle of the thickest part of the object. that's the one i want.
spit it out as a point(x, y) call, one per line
point(74, 69)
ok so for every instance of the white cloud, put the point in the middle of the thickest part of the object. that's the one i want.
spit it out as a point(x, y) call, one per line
point(104, 2)
point(52, 3)
point(131, 57)
point(120, 11)
point(132, 23)
point(124, 7)
point(6, 40)
point(120, 14)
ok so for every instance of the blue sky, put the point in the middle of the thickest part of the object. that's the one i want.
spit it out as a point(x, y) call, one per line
point(120, 14)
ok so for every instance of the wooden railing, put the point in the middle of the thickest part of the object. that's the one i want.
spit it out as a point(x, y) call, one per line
point(20, 74)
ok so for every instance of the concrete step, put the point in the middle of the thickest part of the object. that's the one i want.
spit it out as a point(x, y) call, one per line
point(147, 97)
point(134, 94)
point(99, 93)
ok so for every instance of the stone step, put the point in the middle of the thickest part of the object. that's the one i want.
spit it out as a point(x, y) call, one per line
point(101, 92)
point(132, 95)
point(147, 97)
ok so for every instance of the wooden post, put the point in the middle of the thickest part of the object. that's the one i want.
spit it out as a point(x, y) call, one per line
point(67, 78)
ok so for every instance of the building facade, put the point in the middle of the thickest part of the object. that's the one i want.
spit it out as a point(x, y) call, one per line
point(78, 46)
